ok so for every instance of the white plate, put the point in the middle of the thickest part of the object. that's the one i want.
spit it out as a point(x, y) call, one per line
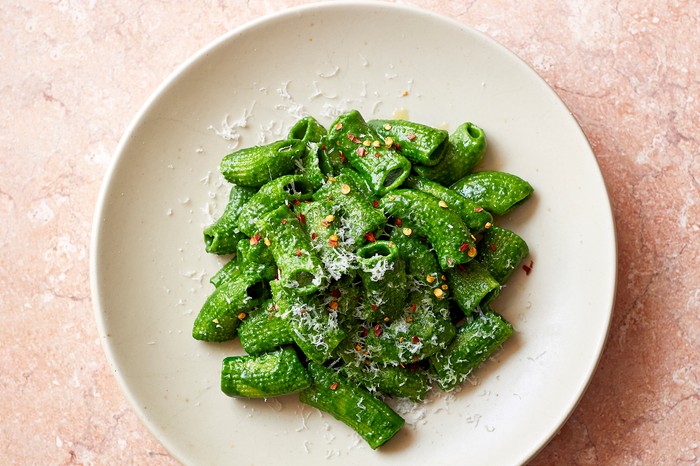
point(150, 272)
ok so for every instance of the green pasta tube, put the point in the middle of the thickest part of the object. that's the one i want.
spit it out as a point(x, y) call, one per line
point(221, 236)
point(472, 285)
point(312, 133)
point(423, 329)
point(344, 296)
point(419, 143)
point(223, 310)
point(474, 216)
point(264, 330)
point(360, 182)
point(307, 129)
point(497, 192)
point(255, 256)
point(322, 222)
point(350, 276)
point(285, 189)
point(444, 228)
point(256, 166)
point(231, 269)
point(299, 266)
point(254, 252)
point(309, 166)
point(383, 280)
point(476, 341)
point(314, 327)
point(370, 417)
point(465, 150)
point(423, 272)
point(251, 256)
point(264, 376)
point(379, 163)
point(422, 267)
point(398, 381)
point(358, 215)
point(501, 251)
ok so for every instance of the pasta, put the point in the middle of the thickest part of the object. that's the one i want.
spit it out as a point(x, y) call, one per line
point(365, 260)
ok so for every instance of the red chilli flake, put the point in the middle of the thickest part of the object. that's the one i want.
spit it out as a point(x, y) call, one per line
point(334, 386)
point(397, 147)
point(361, 151)
point(528, 268)
point(478, 209)
point(463, 247)
point(335, 293)
point(299, 252)
point(364, 331)
point(302, 218)
point(415, 339)
point(297, 202)
point(378, 330)
point(377, 154)
point(399, 222)
point(375, 203)
point(255, 239)
point(413, 307)
point(370, 237)
point(493, 247)
point(343, 159)
point(374, 307)
point(313, 236)
point(333, 241)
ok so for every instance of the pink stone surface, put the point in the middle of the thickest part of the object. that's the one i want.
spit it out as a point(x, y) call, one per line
point(74, 74)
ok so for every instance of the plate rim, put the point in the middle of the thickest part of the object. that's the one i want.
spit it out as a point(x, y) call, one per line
point(117, 156)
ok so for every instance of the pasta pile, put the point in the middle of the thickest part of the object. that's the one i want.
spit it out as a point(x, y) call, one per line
point(366, 259)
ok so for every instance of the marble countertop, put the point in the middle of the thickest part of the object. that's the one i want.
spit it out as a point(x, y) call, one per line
point(75, 73)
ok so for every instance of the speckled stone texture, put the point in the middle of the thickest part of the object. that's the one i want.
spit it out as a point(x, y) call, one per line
point(74, 74)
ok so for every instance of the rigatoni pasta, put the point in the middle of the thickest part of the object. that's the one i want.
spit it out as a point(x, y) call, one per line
point(366, 257)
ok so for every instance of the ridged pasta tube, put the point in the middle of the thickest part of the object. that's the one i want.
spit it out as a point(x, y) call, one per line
point(264, 376)
point(497, 192)
point(285, 189)
point(383, 277)
point(465, 151)
point(222, 236)
point(370, 417)
point(379, 163)
point(311, 132)
point(476, 341)
point(419, 143)
point(314, 327)
point(474, 216)
point(221, 313)
point(257, 165)
point(501, 251)
point(358, 215)
point(299, 266)
point(472, 285)
point(444, 228)
point(264, 330)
